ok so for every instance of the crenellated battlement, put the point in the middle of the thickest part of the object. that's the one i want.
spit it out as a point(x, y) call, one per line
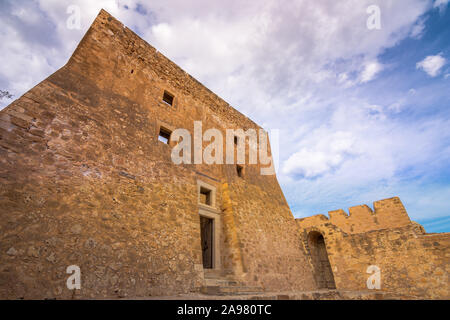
point(387, 213)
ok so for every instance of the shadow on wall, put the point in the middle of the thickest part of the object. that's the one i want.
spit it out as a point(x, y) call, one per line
point(322, 268)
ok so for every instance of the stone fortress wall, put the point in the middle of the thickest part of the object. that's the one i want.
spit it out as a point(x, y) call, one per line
point(85, 181)
point(411, 262)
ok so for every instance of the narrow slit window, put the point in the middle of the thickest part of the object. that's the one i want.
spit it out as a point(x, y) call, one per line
point(164, 135)
point(205, 196)
point(239, 171)
point(168, 98)
point(235, 140)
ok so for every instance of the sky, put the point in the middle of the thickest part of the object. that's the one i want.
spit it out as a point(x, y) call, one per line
point(363, 113)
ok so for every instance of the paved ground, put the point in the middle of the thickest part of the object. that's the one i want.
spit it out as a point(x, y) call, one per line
point(291, 295)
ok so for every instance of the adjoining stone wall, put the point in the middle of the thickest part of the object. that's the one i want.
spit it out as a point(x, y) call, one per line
point(85, 181)
point(412, 263)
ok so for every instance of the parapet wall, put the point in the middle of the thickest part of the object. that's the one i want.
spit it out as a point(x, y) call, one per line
point(387, 213)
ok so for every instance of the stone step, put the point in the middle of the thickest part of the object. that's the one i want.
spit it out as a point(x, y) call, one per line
point(220, 282)
point(226, 290)
point(212, 273)
point(240, 289)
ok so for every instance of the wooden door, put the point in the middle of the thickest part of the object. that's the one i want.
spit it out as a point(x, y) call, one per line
point(206, 226)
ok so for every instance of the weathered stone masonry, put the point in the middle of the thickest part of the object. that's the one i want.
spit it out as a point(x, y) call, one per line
point(412, 263)
point(85, 181)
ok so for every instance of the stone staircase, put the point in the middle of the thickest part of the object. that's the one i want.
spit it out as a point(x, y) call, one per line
point(217, 284)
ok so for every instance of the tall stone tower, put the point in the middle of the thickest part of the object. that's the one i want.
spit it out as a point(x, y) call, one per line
point(87, 180)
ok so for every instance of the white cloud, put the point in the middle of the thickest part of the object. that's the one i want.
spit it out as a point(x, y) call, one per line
point(438, 3)
point(376, 163)
point(418, 30)
point(288, 47)
point(36, 41)
point(371, 69)
point(441, 4)
point(258, 44)
point(327, 153)
point(432, 64)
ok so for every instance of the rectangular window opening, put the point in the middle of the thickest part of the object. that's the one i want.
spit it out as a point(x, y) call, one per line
point(205, 196)
point(168, 98)
point(239, 171)
point(164, 135)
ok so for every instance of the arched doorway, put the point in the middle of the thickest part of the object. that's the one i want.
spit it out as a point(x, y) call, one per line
point(319, 255)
